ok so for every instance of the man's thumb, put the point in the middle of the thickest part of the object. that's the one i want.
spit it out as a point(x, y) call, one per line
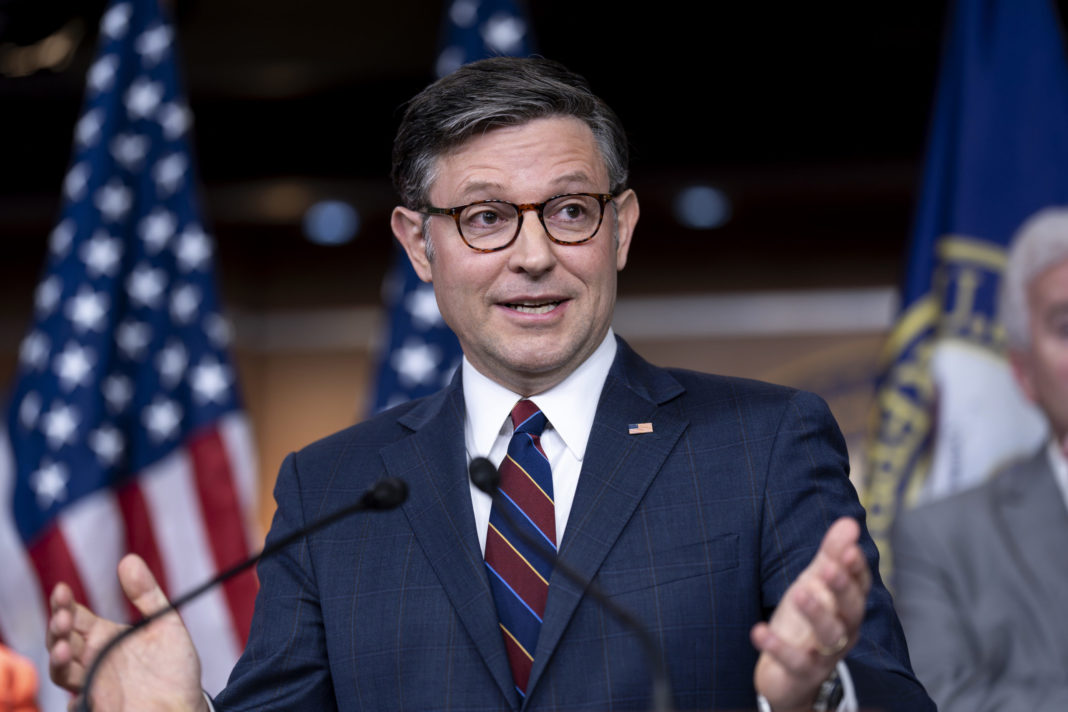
point(140, 585)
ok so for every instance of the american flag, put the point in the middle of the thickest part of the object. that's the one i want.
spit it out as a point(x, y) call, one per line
point(124, 430)
point(421, 352)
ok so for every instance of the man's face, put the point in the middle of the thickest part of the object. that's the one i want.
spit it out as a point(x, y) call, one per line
point(527, 315)
point(1042, 371)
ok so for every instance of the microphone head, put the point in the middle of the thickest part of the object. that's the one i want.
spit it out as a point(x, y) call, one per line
point(387, 493)
point(484, 475)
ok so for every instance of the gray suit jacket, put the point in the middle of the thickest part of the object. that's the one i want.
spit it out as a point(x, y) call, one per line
point(980, 585)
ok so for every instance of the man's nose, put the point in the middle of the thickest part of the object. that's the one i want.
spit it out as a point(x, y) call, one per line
point(532, 250)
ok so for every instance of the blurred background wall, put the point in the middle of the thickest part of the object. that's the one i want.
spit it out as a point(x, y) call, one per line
point(802, 127)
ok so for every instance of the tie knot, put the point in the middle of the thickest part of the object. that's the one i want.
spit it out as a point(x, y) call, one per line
point(528, 418)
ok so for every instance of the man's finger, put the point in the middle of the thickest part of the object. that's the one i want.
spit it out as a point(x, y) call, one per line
point(843, 533)
point(850, 585)
point(83, 620)
point(64, 668)
point(61, 597)
point(59, 626)
point(793, 659)
point(854, 561)
point(140, 585)
point(61, 616)
point(828, 631)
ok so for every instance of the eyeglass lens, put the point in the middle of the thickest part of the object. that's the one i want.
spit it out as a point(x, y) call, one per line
point(568, 218)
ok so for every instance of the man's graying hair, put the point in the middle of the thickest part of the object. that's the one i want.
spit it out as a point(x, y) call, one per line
point(489, 94)
point(1040, 243)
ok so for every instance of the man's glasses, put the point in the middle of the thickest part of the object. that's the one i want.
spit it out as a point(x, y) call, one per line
point(491, 225)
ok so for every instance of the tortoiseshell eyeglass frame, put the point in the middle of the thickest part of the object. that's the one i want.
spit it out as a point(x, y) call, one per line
point(521, 209)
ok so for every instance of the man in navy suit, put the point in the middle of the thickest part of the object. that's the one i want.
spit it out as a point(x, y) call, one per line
point(717, 510)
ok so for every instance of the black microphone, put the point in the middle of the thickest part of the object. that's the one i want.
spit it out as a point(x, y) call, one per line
point(386, 493)
point(486, 477)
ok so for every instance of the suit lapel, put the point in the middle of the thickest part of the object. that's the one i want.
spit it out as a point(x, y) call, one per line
point(616, 471)
point(1032, 516)
point(434, 464)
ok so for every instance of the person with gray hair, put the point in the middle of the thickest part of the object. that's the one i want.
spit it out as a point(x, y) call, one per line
point(718, 511)
point(979, 577)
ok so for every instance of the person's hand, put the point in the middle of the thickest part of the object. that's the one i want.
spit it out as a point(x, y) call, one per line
point(156, 668)
point(816, 623)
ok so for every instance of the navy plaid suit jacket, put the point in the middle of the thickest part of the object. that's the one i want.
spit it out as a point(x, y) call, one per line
point(698, 528)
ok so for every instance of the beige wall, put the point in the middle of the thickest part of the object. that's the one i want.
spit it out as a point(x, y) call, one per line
point(294, 398)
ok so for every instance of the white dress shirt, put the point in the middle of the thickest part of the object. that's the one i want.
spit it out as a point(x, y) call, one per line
point(569, 407)
point(1059, 465)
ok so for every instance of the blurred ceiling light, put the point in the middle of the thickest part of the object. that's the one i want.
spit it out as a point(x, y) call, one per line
point(464, 12)
point(331, 222)
point(283, 201)
point(53, 52)
point(702, 207)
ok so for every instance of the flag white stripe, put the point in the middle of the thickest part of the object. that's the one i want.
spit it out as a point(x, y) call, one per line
point(237, 439)
point(22, 608)
point(92, 529)
point(23, 615)
point(169, 488)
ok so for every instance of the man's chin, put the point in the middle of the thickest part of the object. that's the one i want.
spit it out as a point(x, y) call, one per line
point(535, 366)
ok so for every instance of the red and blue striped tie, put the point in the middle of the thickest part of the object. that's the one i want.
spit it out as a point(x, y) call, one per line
point(519, 573)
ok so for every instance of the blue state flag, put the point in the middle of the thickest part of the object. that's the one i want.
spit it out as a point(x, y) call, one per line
point(420, 353)
point(948, 413)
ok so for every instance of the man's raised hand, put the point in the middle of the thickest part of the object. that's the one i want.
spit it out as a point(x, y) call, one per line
point(156, 669)
point(816, 623)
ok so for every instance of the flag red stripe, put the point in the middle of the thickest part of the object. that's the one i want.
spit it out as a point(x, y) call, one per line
point(225, 523)
point(53, 562)
point(140, 538)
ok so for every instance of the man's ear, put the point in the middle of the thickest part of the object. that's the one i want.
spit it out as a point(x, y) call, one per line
point(1023, 372)
point(408, 229)
point(626, 220)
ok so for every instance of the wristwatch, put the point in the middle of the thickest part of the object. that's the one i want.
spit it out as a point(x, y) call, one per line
point(828, 697)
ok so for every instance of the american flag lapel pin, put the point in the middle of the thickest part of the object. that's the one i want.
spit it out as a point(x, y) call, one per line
point(639, 428)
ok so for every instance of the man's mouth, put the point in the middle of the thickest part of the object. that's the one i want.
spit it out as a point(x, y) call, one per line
point(532, 307)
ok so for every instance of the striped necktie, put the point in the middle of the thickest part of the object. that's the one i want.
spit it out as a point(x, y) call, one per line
point(518, 573)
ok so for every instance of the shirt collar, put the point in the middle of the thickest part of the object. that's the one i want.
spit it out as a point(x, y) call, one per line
point(569, 406)
point(1059, 465)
